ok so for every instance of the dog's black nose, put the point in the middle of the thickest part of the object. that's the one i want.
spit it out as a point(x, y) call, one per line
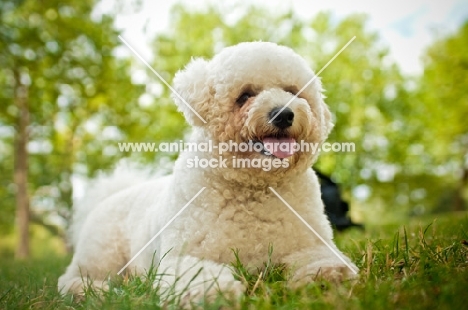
point(282, 120)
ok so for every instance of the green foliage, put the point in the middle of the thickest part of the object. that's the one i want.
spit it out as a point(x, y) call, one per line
point(420, 266)
point(75, 88)
point(443, 98)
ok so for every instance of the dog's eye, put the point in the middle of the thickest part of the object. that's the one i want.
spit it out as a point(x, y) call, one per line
point(243, 98)
point(291, 90)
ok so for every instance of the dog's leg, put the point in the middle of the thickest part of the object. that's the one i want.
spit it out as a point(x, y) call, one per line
point(320, 263)
point(76, 285)
point(100, 253)
point(75, 280)
point(195, 280)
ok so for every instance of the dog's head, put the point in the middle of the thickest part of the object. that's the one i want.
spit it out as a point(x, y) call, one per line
point(247, 93)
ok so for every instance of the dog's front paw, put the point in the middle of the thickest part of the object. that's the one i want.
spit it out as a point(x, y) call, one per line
point(333, 273)
point(199, 295)
point(199, 282)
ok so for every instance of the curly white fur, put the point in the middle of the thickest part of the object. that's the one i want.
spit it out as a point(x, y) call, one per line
point(236, 210)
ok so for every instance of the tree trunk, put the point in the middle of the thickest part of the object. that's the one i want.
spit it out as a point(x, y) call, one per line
point(21, 170)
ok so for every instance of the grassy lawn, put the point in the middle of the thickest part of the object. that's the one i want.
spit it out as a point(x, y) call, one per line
point(422, 264)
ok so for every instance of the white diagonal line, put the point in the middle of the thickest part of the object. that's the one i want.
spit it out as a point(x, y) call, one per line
point(313, 79)
point(162, 79)
point(161, 230)
point(314, 231)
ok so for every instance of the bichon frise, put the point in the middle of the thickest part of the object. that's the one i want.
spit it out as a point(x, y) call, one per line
point(239, 198)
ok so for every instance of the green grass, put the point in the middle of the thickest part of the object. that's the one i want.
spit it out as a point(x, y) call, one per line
point(420, 265)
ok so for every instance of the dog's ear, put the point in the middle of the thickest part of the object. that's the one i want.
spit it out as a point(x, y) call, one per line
point(326, 122)
point(192, 90)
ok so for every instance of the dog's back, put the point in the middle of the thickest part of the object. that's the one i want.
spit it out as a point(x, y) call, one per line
point(100, 189)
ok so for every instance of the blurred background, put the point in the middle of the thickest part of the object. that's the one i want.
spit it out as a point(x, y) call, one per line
point(70, 91)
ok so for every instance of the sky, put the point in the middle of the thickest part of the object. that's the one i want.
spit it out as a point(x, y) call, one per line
point(406, 27)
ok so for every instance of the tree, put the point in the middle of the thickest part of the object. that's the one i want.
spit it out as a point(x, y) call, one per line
point(58, 78)
point(443, 95)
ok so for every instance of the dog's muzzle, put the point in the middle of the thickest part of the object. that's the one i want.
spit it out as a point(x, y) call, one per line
point(280, 144)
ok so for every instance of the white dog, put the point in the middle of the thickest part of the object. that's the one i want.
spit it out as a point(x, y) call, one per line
point(237, 95)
